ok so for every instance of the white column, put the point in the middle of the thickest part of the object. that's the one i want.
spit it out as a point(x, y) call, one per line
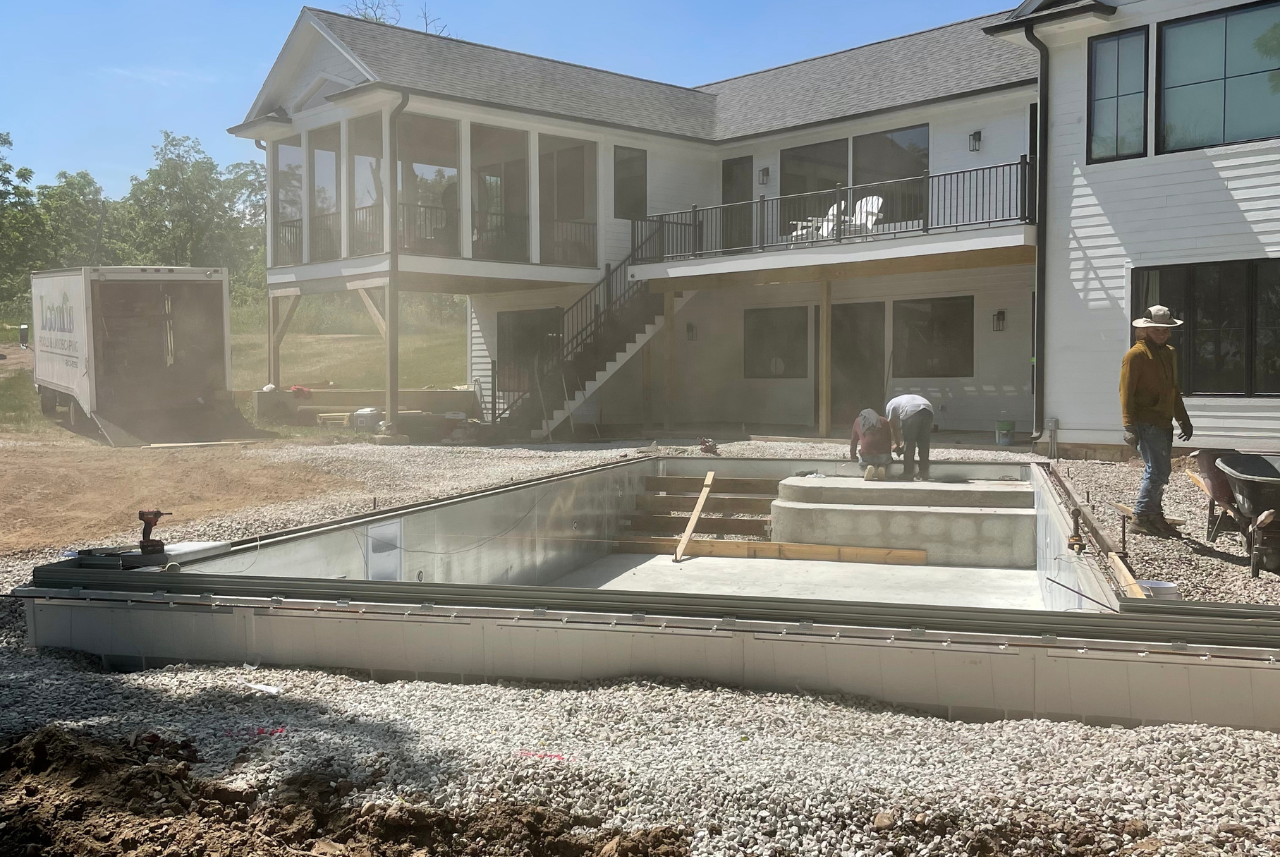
point(308, 181)
point(270, 157)
point(344, 184)
point(389, 175)
point(535, 204)
point(604, 204)
point(464, 186)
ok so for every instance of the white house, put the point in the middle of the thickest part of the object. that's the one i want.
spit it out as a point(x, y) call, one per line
point(780, 249)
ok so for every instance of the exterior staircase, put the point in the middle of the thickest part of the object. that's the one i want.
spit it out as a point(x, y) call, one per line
point(600, 332)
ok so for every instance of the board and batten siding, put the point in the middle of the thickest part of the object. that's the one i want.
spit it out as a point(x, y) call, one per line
point(1106, 219)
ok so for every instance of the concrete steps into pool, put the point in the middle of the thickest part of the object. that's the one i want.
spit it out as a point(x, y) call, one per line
point(983, 524)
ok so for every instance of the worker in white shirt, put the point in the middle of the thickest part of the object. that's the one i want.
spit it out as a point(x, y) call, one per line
point(911, 420)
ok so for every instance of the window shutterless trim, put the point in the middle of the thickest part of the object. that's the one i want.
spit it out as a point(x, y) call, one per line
point(1146, 94)
point(1159, 117)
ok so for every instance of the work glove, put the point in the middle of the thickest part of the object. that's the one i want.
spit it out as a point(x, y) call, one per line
point(1184, 430)
point(1130, 437)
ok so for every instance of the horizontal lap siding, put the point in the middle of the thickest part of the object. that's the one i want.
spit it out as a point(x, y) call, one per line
point(1212, 204)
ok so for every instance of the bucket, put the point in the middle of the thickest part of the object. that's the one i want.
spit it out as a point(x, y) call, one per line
point(1004, 432)
point(1161, 590)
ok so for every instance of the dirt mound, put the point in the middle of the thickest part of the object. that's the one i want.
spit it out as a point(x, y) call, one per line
point(63, 795)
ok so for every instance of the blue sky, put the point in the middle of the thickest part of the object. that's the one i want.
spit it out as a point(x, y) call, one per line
point(90, 83)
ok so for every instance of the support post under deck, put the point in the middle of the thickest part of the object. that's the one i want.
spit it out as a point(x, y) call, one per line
point(669, 357)
point(824, 362)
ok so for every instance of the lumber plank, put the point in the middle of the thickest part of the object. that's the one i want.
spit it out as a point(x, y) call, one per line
point(715, 503)
point(645, 523)
point(774, 550)
point(1125, 577)
point(693, 519)
point(724, 485)
point(1127, 511)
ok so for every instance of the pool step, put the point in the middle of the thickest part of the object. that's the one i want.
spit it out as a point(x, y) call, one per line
point(647, 524)
point(859, 492)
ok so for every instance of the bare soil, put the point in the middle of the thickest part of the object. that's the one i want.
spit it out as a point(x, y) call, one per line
point(72, 492)
point(64, 795)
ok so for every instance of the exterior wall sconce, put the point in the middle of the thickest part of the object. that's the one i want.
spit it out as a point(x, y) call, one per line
point(764, 175)
point(691, 331)
point(997, 321)
point(975, 141)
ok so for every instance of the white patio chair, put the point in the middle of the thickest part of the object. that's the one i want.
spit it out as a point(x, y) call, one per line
point(815, 228)
point(865, 214)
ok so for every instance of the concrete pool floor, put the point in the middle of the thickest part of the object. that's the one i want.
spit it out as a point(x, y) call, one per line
point(1010, 588)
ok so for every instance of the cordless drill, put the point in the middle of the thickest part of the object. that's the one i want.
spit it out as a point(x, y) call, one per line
point(149, 519)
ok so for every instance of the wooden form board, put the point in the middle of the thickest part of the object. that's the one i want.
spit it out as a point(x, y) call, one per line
point(775, 550)
point(715, 503)
point(724, 485)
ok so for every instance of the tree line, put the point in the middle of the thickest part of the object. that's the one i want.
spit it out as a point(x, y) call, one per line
point(186, 210)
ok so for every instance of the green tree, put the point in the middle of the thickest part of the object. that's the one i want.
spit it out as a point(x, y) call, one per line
point(75, 215)
point(21, 227)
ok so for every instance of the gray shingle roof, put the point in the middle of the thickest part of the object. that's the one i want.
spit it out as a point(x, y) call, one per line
point(935, 64)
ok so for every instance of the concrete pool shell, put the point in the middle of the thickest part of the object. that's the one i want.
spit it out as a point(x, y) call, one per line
point(526, 582)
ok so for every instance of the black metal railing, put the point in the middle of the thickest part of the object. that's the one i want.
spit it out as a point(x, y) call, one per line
point(568, 242)
point(429, 230)
point(288, 250)
point(366, 230)
point(985, 196)
point(500, 237)
point(326, 236)
point(593, 330)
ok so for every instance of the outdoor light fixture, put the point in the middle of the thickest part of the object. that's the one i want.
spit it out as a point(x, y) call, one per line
point(764, 175)
point(975, 141)
point(691, 331)
point(997, 321)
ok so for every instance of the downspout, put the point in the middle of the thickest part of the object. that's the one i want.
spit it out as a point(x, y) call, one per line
point(1042, 226)
point(393, 269)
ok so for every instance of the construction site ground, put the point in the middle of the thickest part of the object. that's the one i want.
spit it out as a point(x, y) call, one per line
point(202, 760)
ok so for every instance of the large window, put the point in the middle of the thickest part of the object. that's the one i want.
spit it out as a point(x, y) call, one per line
point(806, 170)
point(933, 338)
point(567, 201)
point(365, 162)
point(1220, 78)
point(630, 183)
point(499, 194)
point(288, 202)
point(775, 342)
point(1118, 96)
point(891, 160)
point(326, 194)
point(1229, 343)
point(428, 174)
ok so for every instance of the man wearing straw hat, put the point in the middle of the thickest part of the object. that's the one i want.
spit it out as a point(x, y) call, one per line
point(1150, 401)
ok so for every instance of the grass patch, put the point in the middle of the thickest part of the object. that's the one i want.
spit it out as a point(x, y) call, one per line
point(351, 361)
point(20, 404)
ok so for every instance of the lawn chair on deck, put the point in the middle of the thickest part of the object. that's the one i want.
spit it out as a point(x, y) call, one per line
point(815, 228)
point(865, 214)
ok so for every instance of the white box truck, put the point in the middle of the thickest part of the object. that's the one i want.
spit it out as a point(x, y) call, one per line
point(139, 354)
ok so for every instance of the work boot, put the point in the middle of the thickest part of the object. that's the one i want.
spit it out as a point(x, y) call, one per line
point(870, 474)
point(882, 473)
point(1169, 529)
point(1149, 525)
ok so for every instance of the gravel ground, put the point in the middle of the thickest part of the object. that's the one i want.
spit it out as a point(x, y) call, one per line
point(1202, 571)
point(747, 773)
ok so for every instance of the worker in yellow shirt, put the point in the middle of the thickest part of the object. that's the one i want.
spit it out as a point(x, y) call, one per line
point(1150, 401)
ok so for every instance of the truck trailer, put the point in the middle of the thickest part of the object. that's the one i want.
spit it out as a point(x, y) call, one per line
point(137, 354)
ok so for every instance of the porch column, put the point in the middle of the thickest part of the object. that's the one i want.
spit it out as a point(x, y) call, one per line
point(824, 363)
point(344, 188)
point(669, 357)
point(464, 187)
point(392, 318)
point(307, 180)
point(535, 202)
point(390, 173)
point(273, 347)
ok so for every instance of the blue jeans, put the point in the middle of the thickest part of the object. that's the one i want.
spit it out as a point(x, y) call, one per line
point(1155, 445)
point(875, 459)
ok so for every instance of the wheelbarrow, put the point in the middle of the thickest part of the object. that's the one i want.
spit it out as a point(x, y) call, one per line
point(1223, 517)
point(1255, 487)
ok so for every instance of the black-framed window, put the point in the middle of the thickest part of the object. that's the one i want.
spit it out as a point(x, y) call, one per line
point(933, 338)
point(1118, 96)
point(1229, 342)
point(630, 183)
point(1220, 78)
point(775, 342)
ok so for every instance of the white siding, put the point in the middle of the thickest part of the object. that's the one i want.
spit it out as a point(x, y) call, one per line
point(1105, 219)
point(322, 59)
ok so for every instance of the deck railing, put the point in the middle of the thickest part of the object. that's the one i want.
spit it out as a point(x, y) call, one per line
point(568, 242)
point(288, 250)
point(366, 230)
point(429, 230)
point(986, 196)
point(500, 237)
point(326, 236)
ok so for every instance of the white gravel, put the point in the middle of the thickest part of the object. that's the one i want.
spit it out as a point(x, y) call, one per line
point(1203, 571)
point(750, 773)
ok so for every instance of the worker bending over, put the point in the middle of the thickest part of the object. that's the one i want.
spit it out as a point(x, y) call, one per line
point(911, 421)
point(1149, 403)
point(871, 444)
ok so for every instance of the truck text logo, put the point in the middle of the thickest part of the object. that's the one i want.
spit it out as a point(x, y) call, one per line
point(58, 318)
